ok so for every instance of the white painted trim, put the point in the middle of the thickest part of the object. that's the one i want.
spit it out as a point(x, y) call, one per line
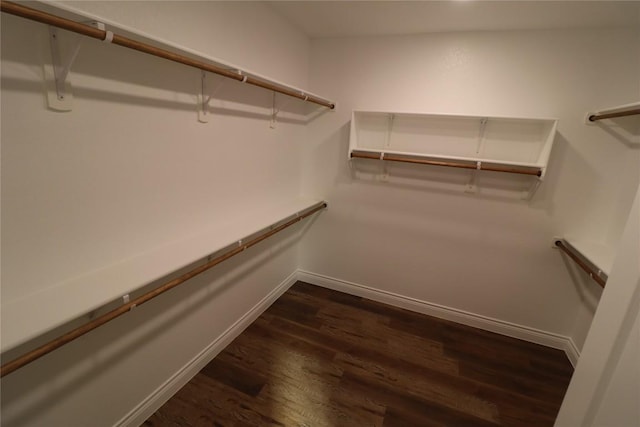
point(163, 393)
point(513, 330)
point(572, 351)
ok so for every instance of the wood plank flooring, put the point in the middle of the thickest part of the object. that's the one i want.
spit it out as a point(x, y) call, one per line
point(320, 358)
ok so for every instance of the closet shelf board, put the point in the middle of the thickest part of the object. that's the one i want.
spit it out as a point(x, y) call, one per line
point(512, 141)
point(29, 316)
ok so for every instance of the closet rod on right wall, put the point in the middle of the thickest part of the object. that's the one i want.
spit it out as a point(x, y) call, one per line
point(595, 275)
point(631, 112)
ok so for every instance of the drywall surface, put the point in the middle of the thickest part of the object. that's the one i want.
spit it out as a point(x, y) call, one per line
point(605, 386)
point(615, 410)
point(246, 34)
point(414, 231)
point(130, 169)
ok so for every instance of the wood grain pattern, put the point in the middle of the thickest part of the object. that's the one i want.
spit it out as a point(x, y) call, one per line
point(464, 164)
point(318, 357)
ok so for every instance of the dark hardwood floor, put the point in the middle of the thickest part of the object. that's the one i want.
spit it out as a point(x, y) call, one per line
point(318, 357)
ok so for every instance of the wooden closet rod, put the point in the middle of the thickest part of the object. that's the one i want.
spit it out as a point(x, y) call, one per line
point(587, 268)
point(453, 164)
point(66, 338)
point(632, 112)
point(89, 31)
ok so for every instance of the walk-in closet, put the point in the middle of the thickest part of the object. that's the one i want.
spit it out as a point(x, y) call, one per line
point(354, 213)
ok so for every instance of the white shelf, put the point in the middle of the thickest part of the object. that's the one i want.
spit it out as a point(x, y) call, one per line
point(509, 141)
point(32, 315)
point(78, 15)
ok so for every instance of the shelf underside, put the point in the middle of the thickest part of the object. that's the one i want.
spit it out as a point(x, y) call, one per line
point(516, 142)
point(31, 315)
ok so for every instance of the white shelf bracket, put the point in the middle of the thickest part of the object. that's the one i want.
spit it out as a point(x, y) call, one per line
point(384, 176)
point(385, 171)
point(275, 111)
point(472, 187)
point(56, 71)
point(387, 142)
point(483, 124)
point(59, 96)
point(204, 99)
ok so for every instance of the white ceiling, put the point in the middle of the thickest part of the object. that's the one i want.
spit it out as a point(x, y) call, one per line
point(366, 18)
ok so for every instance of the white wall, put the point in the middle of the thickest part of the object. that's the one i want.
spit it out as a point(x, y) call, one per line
point(131, 169)
point(625, 382)
point(605, 387)
point(246, 33)
point(419, 235)
point(84, 189)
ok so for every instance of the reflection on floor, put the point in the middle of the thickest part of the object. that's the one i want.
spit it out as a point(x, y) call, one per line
point(318, 357)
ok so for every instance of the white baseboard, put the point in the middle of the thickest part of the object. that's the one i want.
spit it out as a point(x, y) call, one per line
point(513, 330)
point(163, 393)
point(572, 351)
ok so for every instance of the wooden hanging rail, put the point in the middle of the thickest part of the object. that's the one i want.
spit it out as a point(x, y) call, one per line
point(622, 113)
point(66, 338)
point(450, 163)
point(89, 31)
point(592, 271)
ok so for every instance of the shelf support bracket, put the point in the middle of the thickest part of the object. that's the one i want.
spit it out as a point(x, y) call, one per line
point(384, 177)
point(56, 71)
point(471, 185)
point(59, 96)
point(203, 99)
point(483, 124)
point(275, 111)
point(387, 142)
